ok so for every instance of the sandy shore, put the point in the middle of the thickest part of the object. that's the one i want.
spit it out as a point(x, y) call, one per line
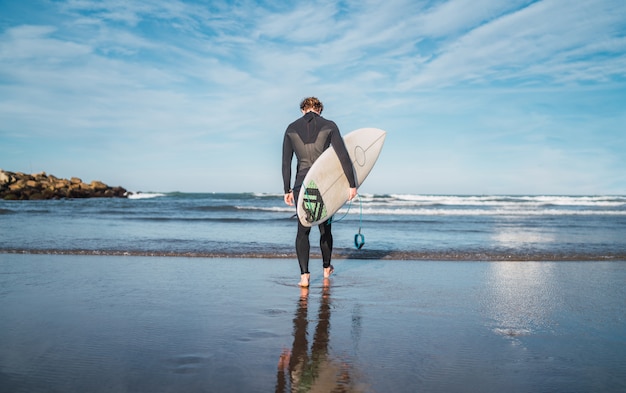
point(77, 323)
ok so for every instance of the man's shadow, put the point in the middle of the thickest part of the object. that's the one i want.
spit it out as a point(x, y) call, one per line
point(302, 371)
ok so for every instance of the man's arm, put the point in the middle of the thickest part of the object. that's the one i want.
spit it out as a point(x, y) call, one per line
point(287, 158)
point(286, 168)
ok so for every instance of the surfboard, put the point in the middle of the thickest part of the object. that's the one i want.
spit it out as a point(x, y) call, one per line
point(325, 187)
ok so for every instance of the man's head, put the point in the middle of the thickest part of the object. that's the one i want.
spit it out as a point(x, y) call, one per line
point(311, 104)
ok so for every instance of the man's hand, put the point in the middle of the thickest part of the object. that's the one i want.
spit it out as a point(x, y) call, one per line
point(289, 198)
point(352, 193)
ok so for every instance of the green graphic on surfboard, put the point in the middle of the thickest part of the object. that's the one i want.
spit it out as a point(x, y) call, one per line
point(313, 203)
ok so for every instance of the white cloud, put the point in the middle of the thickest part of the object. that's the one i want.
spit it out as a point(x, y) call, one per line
point(458, 16)
point(307, 23)
point(25, 44)
point(132, 13)
point(545, 36)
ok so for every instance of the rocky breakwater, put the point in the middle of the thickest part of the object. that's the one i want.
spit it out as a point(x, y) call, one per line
point(21, 186)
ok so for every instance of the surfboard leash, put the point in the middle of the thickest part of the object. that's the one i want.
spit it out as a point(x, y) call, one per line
point(359, 238)
point(332, 219)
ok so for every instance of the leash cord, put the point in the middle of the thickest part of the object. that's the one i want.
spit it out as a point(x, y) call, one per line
point(359, 239)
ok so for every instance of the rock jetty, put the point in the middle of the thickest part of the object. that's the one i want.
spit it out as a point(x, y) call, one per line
point(22, 186)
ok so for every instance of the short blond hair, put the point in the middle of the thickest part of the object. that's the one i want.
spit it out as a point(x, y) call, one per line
point(312, 103)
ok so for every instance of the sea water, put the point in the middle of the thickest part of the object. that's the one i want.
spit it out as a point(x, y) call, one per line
point(261, 225)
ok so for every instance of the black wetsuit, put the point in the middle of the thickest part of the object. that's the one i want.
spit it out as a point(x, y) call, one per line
point(307, 138)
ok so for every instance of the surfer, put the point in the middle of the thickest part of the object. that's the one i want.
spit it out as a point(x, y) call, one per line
point(307, 138)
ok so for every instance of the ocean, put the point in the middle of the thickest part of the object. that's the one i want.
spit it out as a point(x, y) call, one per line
point(432, 227)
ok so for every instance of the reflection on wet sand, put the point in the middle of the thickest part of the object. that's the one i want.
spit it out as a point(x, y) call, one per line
point(301, 370)
point(522, 299)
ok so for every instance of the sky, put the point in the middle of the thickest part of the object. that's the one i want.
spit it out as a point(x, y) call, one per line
point(477, 96)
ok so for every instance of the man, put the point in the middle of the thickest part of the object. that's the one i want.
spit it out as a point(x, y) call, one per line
point(307, 138)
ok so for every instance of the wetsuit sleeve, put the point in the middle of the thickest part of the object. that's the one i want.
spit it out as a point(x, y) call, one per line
point(340, 148)
point(287, 157)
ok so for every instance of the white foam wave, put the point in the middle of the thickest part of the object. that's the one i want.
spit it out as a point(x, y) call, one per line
point(452, 212)
point(490, 212)
point(503, 200)
point(266, 195)
point(285, 209)
point(493, 205)
point(483, 201)
point(145, 195)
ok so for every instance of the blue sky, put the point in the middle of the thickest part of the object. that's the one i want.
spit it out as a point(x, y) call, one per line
point(477, 96)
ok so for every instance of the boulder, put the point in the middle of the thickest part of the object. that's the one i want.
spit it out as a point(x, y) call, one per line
point(98, 185)
point(21, 186)
point(5, 178)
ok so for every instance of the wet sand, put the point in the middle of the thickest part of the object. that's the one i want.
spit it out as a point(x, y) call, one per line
point(351, 253)
point(77, 323)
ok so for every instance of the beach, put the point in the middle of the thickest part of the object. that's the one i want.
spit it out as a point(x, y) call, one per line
point(75, 323)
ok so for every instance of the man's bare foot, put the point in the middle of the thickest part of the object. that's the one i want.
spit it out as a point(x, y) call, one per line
point(304, 280)
point(328, 271)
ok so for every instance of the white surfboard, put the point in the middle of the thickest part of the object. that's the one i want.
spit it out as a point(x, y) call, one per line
point(325, 187)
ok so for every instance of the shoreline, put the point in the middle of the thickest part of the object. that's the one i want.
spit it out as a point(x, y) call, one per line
point(341, 254)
